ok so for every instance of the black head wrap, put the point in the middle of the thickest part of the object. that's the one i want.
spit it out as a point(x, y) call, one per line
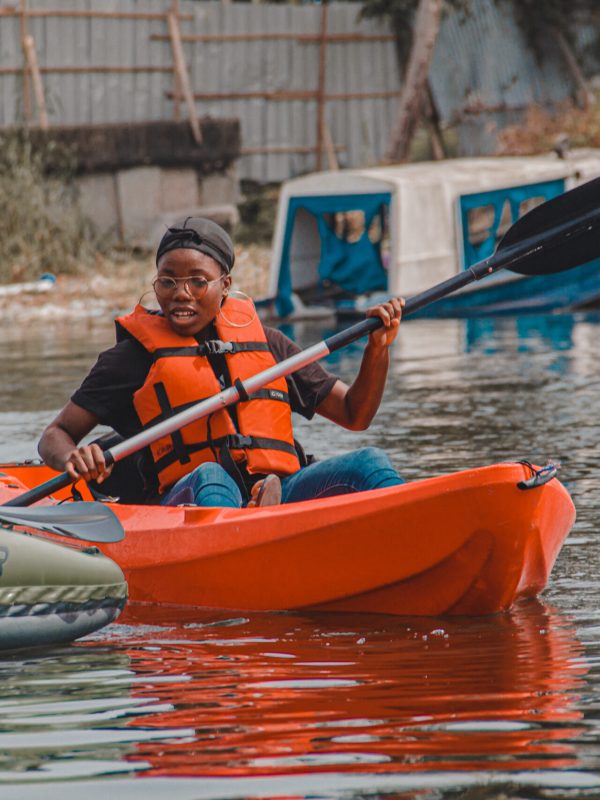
point(199, 233)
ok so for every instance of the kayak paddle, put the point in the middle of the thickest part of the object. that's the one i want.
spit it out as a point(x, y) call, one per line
point(558, 235)
point(93, 522)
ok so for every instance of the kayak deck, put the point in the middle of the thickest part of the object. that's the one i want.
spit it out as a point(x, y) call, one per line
point(469, 543)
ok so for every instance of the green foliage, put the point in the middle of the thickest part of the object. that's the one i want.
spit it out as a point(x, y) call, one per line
point(534, 17)
point(257, 214)
point(43, 228)
point(400, 13)
point(537, 16)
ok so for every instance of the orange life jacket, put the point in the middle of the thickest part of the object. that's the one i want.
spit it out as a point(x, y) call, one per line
point(181, 375)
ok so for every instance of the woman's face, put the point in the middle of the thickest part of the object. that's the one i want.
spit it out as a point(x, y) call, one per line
point(187, 311)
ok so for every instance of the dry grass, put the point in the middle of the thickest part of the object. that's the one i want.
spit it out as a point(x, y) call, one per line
point(542, 131)
point(43, 228)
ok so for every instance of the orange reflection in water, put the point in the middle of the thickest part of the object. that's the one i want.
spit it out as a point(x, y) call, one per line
point(286, 694)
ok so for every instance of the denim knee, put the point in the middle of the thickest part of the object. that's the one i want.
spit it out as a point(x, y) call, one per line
point(209, 484)
point(369, 458)
point(208, 471)
point(373, 465)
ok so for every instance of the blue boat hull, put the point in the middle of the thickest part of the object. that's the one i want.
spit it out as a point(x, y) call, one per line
point(515, 294)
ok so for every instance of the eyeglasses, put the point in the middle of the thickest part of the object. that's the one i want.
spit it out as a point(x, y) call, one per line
point(194, 284)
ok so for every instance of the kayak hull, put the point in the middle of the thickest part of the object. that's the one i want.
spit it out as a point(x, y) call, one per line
point(467, 543)
point(52, 593)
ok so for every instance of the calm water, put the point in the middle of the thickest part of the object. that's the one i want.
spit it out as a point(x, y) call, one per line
point(208, 704)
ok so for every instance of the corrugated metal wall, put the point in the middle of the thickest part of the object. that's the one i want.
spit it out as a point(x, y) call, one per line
point(119, 70)
point(482, 61)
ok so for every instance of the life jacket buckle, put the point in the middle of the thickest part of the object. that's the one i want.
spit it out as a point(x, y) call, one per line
point(215, 347)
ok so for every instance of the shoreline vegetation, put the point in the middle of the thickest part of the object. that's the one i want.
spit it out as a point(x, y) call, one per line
point(45, 231)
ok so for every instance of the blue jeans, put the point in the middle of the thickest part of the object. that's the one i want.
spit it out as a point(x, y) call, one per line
point(358, 471)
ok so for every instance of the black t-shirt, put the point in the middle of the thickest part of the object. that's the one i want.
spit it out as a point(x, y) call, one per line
point(107, 391)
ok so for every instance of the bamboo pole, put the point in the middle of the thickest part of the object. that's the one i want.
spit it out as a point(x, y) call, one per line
point(11, 11)
point(183, 75)
point(38, 88)
point(88, 69)
point(302, 38)
point(286, 96)
point(321, 86)
point(583, 95)
point(26, 87)
point(177, 88)
point(285, 149)
point(330, 149)
point(433, 121)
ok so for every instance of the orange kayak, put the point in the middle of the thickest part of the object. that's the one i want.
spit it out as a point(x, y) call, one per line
point(471, 543)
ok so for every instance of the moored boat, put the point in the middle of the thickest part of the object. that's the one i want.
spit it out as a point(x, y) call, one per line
point(471, 543)
point(51, 592)
point(347, 239)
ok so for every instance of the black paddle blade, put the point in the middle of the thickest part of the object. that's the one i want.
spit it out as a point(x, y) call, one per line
point(92, 522)
point(562, 233)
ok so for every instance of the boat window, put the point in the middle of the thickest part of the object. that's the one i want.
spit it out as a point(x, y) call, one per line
point(349, 226)
point(379, 234)
point(486, 216)
point(482, 223)
point(529, 204)
point(506, 220)
point(480, 220)
point(376, 229)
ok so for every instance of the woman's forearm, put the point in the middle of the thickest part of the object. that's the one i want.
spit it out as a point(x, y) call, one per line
point(55, 446)
point(363, 397)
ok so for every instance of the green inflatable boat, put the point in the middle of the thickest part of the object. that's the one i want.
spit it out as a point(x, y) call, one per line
point(51, 592)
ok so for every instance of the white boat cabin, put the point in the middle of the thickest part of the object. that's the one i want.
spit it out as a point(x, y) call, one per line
point(402, 229)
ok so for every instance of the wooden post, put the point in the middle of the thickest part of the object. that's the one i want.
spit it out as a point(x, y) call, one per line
point(433, 120)
point(38, 88)
point(321, 87)
point(26, 87)
point(177, 89)
point(332, 161)
point(583, 95)
point(425, 31)
point(183, 74)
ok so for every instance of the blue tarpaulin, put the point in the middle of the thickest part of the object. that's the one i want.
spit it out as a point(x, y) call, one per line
point(354, 266)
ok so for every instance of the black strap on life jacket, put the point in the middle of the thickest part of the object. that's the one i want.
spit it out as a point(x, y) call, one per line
point(214, 347)
point(235, 441)
point(211, 347)
point(228, 463)
point(167, 411)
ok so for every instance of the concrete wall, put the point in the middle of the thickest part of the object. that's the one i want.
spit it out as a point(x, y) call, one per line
point(135, 179)
point(136, 205)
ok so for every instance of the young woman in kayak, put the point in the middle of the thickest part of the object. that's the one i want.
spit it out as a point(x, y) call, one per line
point(202, 340)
